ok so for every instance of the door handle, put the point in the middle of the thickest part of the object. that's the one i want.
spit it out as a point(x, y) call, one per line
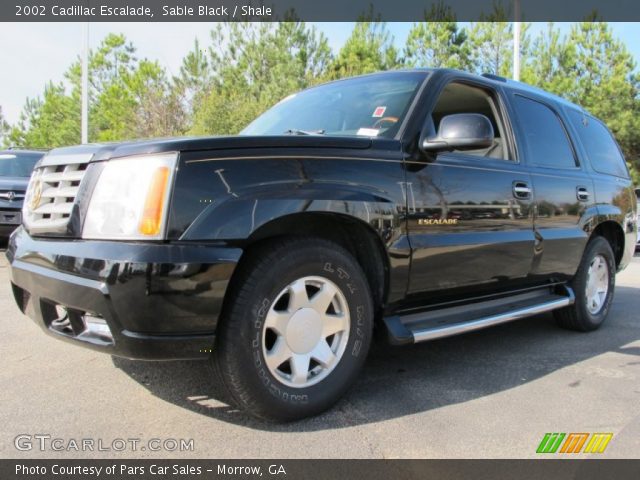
point(521, 190)
point(582, 194)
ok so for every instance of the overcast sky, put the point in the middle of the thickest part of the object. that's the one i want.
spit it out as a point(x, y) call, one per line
point(31, 54)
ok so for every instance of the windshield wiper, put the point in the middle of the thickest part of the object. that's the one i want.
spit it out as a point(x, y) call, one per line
point(295, 131)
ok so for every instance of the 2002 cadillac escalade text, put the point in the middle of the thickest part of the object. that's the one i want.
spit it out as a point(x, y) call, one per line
point(86, 11)
point(421, 203)
point(246, 11)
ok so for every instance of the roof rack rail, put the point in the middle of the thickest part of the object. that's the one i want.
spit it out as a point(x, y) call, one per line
point(33, 149)
point(497, 78)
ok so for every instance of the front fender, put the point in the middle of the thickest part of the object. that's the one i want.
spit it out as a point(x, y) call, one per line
point(244, 196)
point(238, 217)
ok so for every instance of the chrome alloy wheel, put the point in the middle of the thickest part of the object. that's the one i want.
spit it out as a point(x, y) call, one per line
point(306, 331)
point(597, 284)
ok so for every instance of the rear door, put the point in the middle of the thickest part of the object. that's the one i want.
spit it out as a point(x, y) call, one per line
point(470, 221)
point(563, 189)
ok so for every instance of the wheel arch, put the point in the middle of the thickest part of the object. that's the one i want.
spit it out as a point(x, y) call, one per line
point(353, 234)
point(613, 233)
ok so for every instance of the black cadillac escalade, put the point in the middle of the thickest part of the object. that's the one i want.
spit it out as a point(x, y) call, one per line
point(421, 204)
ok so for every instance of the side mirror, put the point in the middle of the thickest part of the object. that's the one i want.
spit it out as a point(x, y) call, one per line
point(461, 131)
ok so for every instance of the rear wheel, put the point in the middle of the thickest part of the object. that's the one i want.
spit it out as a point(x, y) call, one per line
point(297, 329)
point(593, 286)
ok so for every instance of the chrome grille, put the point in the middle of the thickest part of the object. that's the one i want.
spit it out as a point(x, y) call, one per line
point(50, 197)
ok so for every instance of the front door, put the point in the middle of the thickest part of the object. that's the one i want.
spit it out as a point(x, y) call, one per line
point(470, 219)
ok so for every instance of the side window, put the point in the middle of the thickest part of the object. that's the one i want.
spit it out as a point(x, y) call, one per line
point(602, 150)
point(462, 98)
point(546, 141)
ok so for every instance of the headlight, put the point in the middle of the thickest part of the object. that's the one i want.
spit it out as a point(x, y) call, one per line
point(130, 199)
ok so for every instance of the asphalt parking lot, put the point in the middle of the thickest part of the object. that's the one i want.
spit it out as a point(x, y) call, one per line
point(489, 394)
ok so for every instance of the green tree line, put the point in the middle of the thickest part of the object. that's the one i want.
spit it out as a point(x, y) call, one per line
point(245, 68)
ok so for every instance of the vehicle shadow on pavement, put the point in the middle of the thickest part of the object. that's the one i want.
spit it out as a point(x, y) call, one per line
point(399, 381)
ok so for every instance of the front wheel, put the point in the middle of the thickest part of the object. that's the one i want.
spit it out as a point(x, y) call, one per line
point(593, 285)
point(297, 329)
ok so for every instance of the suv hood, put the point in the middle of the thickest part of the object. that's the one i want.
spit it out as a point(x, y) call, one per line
point(97, 152)
point(13, 184)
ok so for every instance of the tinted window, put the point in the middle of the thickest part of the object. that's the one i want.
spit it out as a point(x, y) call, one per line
point(546, 141)
point(17, 165)
point(602, 150)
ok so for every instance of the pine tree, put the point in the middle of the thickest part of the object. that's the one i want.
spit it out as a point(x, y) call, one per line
point(438, 42)
point(593, 69)
point(369, 49)
point(253, 66)
point(606, 82)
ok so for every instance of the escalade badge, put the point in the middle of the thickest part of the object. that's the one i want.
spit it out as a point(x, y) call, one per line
point(437, 221)
point(36, 195)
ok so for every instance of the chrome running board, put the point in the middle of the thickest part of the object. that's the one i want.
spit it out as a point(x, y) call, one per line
point(433, 324)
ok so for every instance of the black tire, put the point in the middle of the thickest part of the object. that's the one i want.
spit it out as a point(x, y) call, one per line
point(239, 356)
point(577, 316)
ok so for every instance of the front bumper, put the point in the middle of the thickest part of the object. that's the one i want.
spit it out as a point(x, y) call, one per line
point(6, 230)
point(137, 300)
point(9, 220)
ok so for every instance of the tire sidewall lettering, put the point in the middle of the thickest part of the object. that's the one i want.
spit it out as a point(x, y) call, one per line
point(357, 336)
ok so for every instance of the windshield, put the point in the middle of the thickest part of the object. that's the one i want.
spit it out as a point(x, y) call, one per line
point(17, 165)
point(371, 106)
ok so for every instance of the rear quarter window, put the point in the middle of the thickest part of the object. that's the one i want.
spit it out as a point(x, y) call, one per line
point(601, 148)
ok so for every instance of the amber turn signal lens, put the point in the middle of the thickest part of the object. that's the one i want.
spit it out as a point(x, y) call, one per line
point(154, 204)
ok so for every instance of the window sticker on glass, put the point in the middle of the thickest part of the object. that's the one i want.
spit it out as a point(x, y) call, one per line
point(368, 132)
point(379, 112)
